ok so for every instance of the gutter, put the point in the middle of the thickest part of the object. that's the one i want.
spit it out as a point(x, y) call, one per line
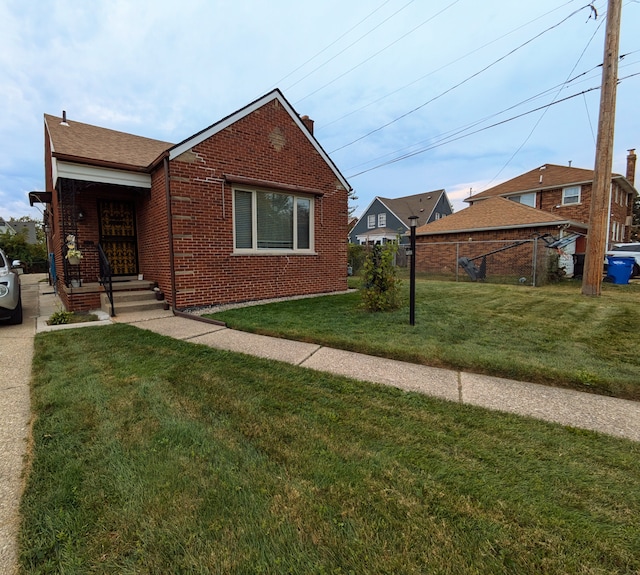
point(559, 223)
point(99, 163)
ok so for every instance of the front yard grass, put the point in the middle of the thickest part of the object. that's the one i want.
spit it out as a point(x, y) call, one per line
point(551, 335)
point(152, 455)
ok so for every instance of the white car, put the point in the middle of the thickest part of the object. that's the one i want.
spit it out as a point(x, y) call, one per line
point(631, 250)
point(10, 299)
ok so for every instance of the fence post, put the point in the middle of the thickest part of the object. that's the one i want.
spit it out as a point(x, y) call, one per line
point(535, 262)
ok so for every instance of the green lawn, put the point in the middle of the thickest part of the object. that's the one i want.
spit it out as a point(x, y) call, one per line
point(152, 455)
point(550, 335)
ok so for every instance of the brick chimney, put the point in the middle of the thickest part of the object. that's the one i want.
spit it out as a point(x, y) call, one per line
point(308, 122)
point(631, 166)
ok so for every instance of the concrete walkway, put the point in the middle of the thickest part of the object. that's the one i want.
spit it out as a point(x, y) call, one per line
point(617, 417)
point(16, 353)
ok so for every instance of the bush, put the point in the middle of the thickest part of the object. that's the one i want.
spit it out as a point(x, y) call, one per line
point(60, 317)
point(555, 273)
point(356, 256)
point(380, 283)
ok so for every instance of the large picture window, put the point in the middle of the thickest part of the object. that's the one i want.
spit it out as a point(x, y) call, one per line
point(273, 221)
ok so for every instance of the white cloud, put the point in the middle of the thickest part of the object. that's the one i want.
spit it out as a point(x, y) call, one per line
point(166, 70)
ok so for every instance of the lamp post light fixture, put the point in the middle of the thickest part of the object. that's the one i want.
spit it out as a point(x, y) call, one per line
point(413, 221)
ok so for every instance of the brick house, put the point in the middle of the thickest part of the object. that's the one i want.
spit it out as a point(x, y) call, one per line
point(551, 200)
point(249, 208)
point(566, 192)
point(386, 219)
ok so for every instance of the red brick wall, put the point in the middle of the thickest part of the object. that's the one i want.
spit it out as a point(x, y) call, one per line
point(549, 199)
point(266, 145)
point(438, 254)
point(153, 235)
point(621, 206)
point(55, 223)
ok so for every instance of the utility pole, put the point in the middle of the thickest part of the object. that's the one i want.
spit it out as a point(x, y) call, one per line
point(601, 191)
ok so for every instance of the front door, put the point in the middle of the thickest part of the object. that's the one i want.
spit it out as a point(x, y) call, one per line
point(118, 236)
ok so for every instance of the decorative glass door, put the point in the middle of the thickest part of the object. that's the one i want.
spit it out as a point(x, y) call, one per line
point(118, 236)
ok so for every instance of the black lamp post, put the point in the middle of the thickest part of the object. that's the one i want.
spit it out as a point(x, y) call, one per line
point(413, 221)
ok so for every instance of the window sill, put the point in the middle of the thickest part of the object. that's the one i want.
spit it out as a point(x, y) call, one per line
point(274, 253)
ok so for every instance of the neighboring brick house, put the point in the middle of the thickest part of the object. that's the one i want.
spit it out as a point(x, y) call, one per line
point(386, 219)
point(566, 191)
point(249, 208)
point(551, 199)
point(487, 226)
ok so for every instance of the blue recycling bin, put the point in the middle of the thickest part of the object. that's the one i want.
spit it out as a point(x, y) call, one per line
point(620, 269)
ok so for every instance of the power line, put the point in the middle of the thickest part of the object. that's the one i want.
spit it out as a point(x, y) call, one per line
point(333, 43)
point(459, 83)
point(378, 52)
point(474, 51)
point(461, 129)
point(449, 140)
point(350, 45)
point(544, 113)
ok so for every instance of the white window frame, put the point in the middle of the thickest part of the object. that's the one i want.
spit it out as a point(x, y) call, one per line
point(254, 223)
point(382, 220)
point(571, 192)
point(371, 221)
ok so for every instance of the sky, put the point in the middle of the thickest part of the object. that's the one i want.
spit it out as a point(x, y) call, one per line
point(407, 96)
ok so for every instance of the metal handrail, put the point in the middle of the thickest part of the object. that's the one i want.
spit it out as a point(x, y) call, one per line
point(106, 278)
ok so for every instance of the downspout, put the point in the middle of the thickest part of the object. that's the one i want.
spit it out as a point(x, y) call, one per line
point(167, 186)
point(608, 241)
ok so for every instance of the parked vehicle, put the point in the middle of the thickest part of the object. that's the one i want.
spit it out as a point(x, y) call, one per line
point(10, 297)
point(630, 250)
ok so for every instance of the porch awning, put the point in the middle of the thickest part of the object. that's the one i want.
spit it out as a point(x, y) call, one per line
point(36, 197)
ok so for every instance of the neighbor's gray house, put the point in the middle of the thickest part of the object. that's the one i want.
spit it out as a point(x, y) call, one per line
point(28, 229)
point(386, 219)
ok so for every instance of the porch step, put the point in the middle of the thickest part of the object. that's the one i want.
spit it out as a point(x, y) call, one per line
point(132, 284)
point(126, 301)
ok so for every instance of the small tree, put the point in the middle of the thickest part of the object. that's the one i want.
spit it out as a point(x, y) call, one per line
point(380, 283)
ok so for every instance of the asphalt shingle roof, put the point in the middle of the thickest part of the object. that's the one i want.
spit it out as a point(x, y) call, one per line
point(493, 213)
point(102, 146)
point(421, 205)
point(543, 177)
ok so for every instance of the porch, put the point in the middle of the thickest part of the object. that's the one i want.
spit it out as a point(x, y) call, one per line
point(128, 293)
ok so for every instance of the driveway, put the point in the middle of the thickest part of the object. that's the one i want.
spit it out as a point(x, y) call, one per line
point(16, 353)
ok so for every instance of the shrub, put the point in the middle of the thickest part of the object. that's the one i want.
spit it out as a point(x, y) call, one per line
point(357, 255)
point(60, 317)
point(380, 283)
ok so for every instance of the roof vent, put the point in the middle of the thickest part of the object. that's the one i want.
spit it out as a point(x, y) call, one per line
point(64, 118)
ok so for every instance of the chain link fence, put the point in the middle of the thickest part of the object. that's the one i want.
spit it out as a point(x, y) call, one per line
point(527, 262)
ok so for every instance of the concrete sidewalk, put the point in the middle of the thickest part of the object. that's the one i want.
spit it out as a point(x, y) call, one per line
point(612, 416)
point(615, 417)
point(608, 415)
